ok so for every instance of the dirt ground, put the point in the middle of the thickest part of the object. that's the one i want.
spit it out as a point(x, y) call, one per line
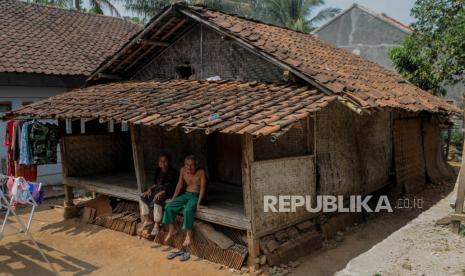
point(92, 250)
point(89, 250)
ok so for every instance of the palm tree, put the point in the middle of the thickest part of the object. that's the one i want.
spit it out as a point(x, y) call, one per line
point(296, 14)
point(145, 8)
point(149, 8)
point(95, 6)
point(56, 3)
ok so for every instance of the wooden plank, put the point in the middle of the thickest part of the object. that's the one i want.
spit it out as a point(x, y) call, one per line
point(138, 156)
point(69, 196)
point(101, 188)
point(459, 203)
point(121, 185)
point(153, 42)
point(117, 56)
point(174, 29)
point(214, 236)
point(247, 160)
point(142, 55)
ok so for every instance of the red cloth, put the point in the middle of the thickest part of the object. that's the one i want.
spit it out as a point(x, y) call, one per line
point(29, 172)
point(8, 142)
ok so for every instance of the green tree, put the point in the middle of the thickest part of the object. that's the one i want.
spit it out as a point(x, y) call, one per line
point(297, 14)
point(95, 6)
point(145, 8)
point(56, 3)
point(149, 8)
point(434, 54)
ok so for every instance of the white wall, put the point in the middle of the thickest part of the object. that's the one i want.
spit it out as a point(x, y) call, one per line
point(47, 174)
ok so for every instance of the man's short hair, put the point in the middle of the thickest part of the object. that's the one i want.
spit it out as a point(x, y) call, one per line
point(166, 155)
point(190, 157)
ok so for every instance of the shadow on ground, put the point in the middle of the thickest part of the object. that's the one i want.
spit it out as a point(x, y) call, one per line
point(21, 258)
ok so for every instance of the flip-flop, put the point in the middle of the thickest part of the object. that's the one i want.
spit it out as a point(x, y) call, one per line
point(185, 256)
point(174, 254)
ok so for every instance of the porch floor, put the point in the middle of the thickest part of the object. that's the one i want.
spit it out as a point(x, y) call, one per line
point(224, 201)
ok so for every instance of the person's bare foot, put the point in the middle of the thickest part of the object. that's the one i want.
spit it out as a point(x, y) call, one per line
point(188, 240)
point(169, 236)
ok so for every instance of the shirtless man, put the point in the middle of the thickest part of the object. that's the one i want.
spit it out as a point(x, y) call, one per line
point(195, 181)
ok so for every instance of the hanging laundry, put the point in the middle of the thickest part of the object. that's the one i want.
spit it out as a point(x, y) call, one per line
point(8, 142)
point(16, 141)
point(20, 190)
point(25, 156)
point(44, 139)
point(36, 191)
point(3, 182)
point(29, 172)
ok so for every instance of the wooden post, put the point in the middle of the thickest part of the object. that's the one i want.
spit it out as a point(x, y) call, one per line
point(247, 159)
point(138, 156)
point(70, 209)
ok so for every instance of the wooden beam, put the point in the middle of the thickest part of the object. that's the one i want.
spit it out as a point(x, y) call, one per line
point(162, 28)
point(138, 156)
point(111, 126)
point(247, 160)
point(309, 136)
point(109, 76)
point(117, 56)
point(174, 29)
point(153, 43)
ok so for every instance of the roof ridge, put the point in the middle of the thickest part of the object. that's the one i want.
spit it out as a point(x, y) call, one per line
point(182, 4)
point(382, 16)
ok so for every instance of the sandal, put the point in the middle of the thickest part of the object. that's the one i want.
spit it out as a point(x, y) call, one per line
point(185, 256)
point(174, 254)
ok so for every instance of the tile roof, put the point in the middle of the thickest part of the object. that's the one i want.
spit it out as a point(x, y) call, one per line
point(47, 40)
point(358, 82)
point(350, 76)
point(226, 106)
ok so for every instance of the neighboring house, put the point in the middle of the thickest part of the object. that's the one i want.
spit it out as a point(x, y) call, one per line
point(287, 114)
point(45, 51)
point(364, 32)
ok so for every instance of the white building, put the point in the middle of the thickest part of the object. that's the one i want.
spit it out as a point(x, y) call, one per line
point(45, 51)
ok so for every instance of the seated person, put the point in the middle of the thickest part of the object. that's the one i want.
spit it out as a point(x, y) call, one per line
point(195, 181)
point(162, 188)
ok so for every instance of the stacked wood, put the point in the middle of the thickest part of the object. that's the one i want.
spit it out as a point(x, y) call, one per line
point(123, 222)
point(125, 218)
point(126, 206)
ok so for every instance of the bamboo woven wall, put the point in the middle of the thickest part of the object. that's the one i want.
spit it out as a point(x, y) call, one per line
point(221, 57)
point(354, 152)
point(292, 143)
point(100, 153)
point(437, 168)
point(175, 143)
point(277, 177)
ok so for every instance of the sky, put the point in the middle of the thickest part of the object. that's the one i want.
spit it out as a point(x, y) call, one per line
point(398, 9)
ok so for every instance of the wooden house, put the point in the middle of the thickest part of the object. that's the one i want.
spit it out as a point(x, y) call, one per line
point(286, 114)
